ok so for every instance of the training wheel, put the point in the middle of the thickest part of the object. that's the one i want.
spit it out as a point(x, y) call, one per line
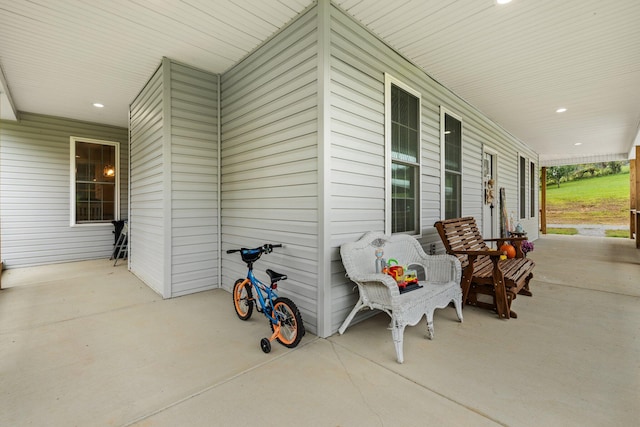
point(265, 345)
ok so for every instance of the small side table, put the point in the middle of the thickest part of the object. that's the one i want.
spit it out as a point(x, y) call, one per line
point(517, 234)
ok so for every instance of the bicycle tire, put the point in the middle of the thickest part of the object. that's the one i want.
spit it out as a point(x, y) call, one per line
point(265, 345)
point(242, 299)
point(291, 326)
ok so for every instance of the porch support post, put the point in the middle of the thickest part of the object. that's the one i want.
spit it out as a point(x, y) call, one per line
point(634, 199)
point(543, 201)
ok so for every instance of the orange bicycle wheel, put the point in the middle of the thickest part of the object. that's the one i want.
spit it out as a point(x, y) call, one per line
point(291, 326)
point(243, 299)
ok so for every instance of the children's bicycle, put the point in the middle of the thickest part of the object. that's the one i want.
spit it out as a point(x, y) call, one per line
point(282, 313)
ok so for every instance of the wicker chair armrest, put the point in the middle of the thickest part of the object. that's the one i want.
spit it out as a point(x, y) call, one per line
point(441, 268)
point(378, 279)
point(385, 279)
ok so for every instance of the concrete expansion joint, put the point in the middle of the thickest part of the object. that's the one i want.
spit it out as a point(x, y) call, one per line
point(424, 387)
point(255, 367)
point(355, 385)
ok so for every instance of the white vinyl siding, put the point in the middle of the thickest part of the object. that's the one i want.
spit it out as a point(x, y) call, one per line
point(359, 61)
point(35, 192)
point(357, 150)
point(146, 228)
point(174, 144)
point(194, 178)
point(269, 165)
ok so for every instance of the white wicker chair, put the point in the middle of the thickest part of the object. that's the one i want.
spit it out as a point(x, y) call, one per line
point(440, 283)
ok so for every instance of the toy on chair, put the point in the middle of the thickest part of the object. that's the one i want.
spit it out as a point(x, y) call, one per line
point(396, 271)
point(402, 275)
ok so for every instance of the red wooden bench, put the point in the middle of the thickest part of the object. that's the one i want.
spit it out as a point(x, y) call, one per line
point(487, 281)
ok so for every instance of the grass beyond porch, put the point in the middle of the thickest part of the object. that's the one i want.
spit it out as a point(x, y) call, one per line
point(598, 200)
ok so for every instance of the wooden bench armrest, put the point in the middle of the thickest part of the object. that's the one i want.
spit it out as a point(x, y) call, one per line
point(514, 239)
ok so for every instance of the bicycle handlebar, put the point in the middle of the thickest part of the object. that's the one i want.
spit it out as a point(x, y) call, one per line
point(267, 247)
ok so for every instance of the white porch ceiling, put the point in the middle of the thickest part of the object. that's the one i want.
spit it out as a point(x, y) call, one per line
point(517, 63)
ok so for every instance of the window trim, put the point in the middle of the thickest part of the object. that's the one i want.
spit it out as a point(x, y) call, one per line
point(389, 80)
point(72, 181)
point(445, 111)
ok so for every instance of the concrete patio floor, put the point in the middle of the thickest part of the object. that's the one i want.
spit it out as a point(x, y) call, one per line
point(88, 344)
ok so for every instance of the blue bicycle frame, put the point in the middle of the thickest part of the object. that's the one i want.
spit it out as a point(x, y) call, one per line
point(261, 289)
point(284, 316)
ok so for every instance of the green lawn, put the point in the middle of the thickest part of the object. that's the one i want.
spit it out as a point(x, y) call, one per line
point(566, 231)
point(617, 233)
point(599, 200)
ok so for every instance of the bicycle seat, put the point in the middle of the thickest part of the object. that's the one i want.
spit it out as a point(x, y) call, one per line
point(276, 276)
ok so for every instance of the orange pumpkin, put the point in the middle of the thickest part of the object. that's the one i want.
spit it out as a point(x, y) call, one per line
point(509, 250)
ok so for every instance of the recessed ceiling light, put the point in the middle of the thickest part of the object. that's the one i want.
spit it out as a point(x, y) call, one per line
point(503, 1)
point(561, 110)
point(98, 105)
point(578, 143)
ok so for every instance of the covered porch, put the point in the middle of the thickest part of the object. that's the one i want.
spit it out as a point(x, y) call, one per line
point(89, 344)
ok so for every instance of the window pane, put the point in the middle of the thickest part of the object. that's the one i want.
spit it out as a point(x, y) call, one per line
point(403, 198)
point(108, 211)
point(403, 110)
point(95, 182)
point(405, 163)
point(453, 143)
point(523, 188)
point(453, 167)
point(83, 195)
point(532, 189)
point(395, 101)
point(82, 162)
point(452, 195)
point(412, 114)
point(405, 140)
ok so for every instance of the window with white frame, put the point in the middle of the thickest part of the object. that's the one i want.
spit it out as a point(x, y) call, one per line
point(451, 146)
point(523, 188)
point(402, 142)
point(94, 181)
point(532, 188)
